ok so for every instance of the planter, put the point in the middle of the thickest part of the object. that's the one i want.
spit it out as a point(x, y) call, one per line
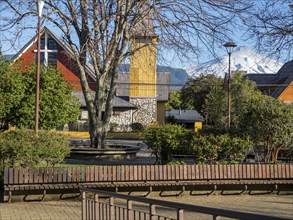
point(112, 153)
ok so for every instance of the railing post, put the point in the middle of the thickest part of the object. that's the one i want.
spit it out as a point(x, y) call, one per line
point(180, 215)
point(112, 208)
point(129, 210)
point(215, 217)
point(83, 208)
point(152, 212)
point(97, 207)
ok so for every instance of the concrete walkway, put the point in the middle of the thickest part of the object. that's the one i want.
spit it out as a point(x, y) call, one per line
point(273, 205)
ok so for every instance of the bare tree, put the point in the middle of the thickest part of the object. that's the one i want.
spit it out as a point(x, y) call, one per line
point(100, 31)
point(271, 22)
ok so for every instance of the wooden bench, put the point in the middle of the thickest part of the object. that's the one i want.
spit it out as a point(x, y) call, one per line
point(150, 177)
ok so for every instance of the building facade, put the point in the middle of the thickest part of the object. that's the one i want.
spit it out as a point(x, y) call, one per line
point(279, 86)
point(137, 103)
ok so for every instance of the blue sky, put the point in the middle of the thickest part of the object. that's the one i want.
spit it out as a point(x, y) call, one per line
point(170, 58)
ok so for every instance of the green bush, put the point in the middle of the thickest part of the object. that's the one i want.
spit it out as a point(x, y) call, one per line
point(209, 148)
point(176, 163)
point(167, 140)
point(22, 148)
point(206, 148)
point(53, 147)
point(137, 127)
point(164, 141)
point(229, 162)
point(19, 148)
point(233, 147)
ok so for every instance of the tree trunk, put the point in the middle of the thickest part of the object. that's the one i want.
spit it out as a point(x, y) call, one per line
point(267, 152)
point(274, 155)
point(98, 134)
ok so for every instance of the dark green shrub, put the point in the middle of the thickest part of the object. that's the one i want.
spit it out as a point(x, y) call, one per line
point(209, 148)
point(233, 147)
point(230, 162)
point(86, 126)
point(176, 163)
point(166, 140)
point(206, 148)
point(53, 147)
point(19, 148)
point(137, 127)
point(22, 148)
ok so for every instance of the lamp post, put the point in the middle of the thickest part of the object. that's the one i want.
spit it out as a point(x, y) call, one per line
point(40, 5)
point(229, 47)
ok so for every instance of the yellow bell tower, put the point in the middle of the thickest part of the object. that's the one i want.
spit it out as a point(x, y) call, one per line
point(143, 64)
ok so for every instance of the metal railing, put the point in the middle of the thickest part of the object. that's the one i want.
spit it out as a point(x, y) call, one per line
point(95, 208)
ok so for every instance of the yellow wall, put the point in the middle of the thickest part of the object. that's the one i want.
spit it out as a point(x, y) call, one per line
point(161, 108)
point(287, 94)
point(143, 67)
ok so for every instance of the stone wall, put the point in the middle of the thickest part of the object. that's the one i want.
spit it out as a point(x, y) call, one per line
point(147, 110)
point(121, 121)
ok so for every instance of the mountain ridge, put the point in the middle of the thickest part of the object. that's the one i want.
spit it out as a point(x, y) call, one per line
point(242, 59)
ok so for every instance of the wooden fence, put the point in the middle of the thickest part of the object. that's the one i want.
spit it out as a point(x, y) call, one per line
point(88, 174)
point(147, 178)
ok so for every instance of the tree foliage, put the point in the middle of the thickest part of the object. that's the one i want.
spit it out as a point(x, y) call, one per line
point(174, 101)
point(195, 91)
point(269, 123)
point(17, 97)
point(23, 148)
point(165, 140)
point(207, 94)
point(11, 92)
point(168, 140)
point(215, 107)
point(101, 31)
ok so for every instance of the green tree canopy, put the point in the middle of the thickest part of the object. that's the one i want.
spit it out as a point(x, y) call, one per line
point(194, 93)
point(174, 101)
point(215, 106)
point(17, 97)
point(269, 123)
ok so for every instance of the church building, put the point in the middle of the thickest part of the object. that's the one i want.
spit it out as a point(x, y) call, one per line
point(138, 100)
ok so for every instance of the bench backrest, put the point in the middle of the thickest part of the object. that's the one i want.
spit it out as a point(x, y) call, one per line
point(123, 173)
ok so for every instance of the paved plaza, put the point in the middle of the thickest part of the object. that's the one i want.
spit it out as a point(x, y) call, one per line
point(274, 205)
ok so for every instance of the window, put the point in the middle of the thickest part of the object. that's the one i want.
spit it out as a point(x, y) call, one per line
point(84, 114)
point(52, 59)
point(48, 50)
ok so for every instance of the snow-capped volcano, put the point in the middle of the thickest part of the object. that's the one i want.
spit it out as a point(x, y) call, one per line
point(242, 59)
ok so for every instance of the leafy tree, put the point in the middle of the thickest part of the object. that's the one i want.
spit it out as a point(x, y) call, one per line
point(57, 103)
point(194, 93)
point(11, 92)
point(268, 122)
point(102, 30)
point(215, 107)
point(174, 101)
